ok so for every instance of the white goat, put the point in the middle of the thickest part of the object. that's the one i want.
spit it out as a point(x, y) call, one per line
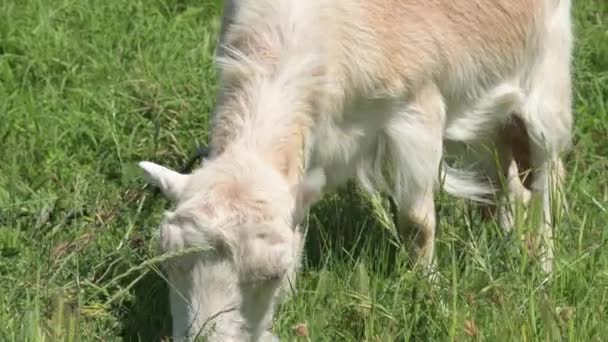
point(316, 92)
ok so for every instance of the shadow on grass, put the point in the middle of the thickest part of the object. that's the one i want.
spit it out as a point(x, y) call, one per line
point(344, 227)
point(148, 318)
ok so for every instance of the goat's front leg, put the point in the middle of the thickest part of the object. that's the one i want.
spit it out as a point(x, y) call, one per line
point(415, 144)
point(416, 224)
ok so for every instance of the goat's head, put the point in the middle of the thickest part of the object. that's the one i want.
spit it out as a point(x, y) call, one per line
point(239, 218)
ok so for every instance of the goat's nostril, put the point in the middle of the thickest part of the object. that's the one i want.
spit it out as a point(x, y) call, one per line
point(262, 236)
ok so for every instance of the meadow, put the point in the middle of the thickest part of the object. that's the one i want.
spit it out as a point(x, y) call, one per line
point(89, 88)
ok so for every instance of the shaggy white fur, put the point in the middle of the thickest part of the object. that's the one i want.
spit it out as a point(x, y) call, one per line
point(314, 93)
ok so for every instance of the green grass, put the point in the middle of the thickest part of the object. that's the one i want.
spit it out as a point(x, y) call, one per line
point(88, 88)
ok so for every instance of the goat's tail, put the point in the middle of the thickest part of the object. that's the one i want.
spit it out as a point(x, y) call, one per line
point(466, 184)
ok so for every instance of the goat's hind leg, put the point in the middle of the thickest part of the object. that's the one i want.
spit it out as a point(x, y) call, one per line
point(513, 158)
point(547, 182)
point(547, 115)
point(487, 129)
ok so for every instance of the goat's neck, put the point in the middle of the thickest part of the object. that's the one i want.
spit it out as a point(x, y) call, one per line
point(269, 117)
point(273, 68)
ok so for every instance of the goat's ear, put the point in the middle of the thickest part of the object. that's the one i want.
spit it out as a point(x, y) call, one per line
point(170, 182)
point(308, 192)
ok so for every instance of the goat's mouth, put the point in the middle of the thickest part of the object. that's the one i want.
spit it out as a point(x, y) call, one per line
point(229, 324)
point(211, 326)
point(208, 300)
